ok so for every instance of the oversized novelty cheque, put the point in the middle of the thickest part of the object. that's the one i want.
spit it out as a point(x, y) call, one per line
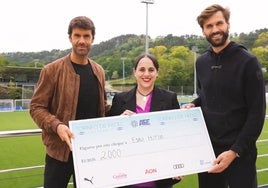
point(123, 150)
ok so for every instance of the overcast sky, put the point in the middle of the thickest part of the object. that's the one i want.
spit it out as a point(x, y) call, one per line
point(37, 25)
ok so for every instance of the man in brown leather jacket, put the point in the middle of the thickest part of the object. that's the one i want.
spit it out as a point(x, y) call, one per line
point(69, 88)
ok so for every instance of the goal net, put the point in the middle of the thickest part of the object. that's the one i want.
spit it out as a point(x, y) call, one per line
point(22, 104)
point(6, 105)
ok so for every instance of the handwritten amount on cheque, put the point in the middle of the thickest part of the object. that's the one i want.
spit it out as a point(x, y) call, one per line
point(138, 145)
point(114, 150)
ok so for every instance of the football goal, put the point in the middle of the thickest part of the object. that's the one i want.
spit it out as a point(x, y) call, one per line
point(6, 105)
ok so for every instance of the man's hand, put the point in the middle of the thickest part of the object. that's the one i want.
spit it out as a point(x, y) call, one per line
point(222, 162)
point(65, 134)
point(178, 177)
point(188, 106)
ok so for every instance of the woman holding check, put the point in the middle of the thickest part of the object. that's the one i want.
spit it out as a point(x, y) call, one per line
point(146, 97)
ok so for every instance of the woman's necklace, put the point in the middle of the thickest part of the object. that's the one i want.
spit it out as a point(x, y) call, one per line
point(144, 97)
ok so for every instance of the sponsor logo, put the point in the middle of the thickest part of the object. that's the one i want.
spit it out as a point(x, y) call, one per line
point(134, 123)
point(203, 162)
point(120, 176)
point(142, 122)
point(178, 166)
point(150, 171)
point(89, 180)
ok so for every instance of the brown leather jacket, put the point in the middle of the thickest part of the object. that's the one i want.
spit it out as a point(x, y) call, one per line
point(55, 100)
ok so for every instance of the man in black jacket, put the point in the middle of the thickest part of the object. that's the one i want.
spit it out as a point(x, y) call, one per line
point(231, 93)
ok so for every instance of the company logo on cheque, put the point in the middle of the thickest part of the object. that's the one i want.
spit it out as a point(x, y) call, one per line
point(151, 171)
point(203, 162)
point(141, 122)
point(120, 176)
point(178, 166)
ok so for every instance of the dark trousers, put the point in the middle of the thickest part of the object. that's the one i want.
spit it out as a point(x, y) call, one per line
point(164, 183)
point(57, 173)
point(133, 186)
point(240, 174)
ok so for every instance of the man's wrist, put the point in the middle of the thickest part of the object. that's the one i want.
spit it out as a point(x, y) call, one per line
point(58, 126)
point(235, 153)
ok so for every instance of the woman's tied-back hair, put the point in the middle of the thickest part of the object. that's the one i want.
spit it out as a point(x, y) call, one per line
point(211, 10)
point(81, 22)
point(150, 56)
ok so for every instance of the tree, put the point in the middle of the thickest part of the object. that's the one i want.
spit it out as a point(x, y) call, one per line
point(262, 55)
point(158, 51)
point(180, 52)
point(262, 40)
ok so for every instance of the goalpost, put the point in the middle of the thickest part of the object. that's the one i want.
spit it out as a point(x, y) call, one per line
point(22, 104)
point(27, 91)
point(10, 105)
point(6, 105)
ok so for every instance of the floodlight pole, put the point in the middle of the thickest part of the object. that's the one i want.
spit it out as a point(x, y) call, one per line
point(195, 49)
point(123, 59)
point(147, 40)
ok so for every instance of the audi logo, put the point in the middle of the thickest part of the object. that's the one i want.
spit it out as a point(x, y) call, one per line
point(177, 166)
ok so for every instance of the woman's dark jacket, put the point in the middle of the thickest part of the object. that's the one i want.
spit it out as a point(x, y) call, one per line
point(161, 100)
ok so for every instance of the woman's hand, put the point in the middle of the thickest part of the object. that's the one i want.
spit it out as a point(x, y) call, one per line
point(128, 113)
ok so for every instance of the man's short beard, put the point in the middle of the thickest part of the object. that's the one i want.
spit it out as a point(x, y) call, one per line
point(225, 36)
point(79, 53)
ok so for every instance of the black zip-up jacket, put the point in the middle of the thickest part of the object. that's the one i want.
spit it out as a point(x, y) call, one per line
point(231, 94)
